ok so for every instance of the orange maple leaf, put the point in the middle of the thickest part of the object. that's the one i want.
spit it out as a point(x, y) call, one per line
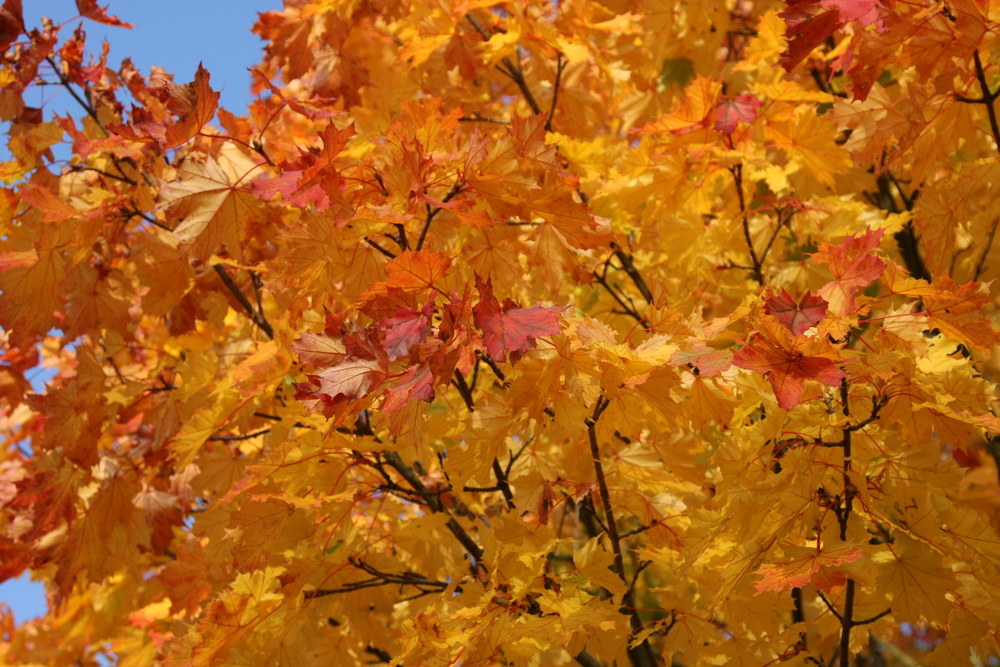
point(788, 362)
point(853, 264)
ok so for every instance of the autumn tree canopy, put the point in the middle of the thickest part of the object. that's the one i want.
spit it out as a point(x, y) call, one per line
point(508, 333)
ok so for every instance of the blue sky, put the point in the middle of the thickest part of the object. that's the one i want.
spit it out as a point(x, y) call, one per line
point(175, 35)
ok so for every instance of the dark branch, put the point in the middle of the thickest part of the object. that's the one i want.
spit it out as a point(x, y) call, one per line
point(757, 266)
point(431, 213)
point(434, 502)
point(382, 250)
point(628, 265)
point(515, 73)
point(988, 97)
point(237, 438)
point(87, 106)
point(642, 654)
point(874, 618)
point(256, 317)
point(560, 66)
point(981, 264)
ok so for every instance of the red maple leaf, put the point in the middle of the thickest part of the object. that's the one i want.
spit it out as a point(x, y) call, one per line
point(362, 368)
point(416, 382)
point(11, 22)
point(408, 328)
point(788, 362)
point(94, 12)
point(730, 112)
point(810, 22)
point(799, 316)
point(511, 329)
point(313, 179)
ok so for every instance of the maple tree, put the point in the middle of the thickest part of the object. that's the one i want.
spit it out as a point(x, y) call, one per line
point(506, 333)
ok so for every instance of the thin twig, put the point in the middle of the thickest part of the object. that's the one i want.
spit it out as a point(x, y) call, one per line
point(988, 97)
point(382, 250)
point(89, 108)
point(641, 655)
point(628, 265)
point(476, 118)
point(515, 72)
point(123, 179)
point(602, 279)
point(560, 66)
point(874, 618)
point(455, 189)
point(434, 502)
point(847, 617)
point(257, 318)
point(134, 212)
point(829, 605)
point(492, 364)
point(237, 438)
point(503, 485)
point(464, 390)
point(981, 264)
point(758, 271)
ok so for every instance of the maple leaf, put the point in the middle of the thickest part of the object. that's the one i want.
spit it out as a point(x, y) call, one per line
point(694, 110)
point(808, 25)
point(11, 22)
point(510, 328)
point(194, 103)
point(363, 368)
point(799, 316)
point(313, 179)
point(957, 311)
point(416, 383)
point(412, 271)
point(94, 12)
point(853, 264)
point(408, 328)
point(788, 362)
point(733, 111)
point(215, 211)
point(798, 565)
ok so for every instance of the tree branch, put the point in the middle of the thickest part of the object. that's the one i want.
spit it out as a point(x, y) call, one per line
point(256, 317)
point(560, 66)
point(455, 189)
point(988, 97)
point(641, 655)
point(981, 264)
point(757, 267)
point(515, 73)
point(423, 584)
point(237, 438)
point(629, 309)
point(382, 250)
point(87, 106)
point(847, 618)
point(434, 502)
point(628, 265)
